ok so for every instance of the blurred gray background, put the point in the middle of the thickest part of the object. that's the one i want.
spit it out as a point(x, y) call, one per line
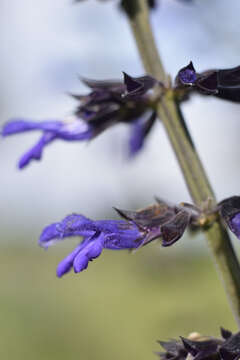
point(46, 45)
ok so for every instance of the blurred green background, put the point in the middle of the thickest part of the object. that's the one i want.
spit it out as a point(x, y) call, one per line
point(117, 309)
point(123, 303)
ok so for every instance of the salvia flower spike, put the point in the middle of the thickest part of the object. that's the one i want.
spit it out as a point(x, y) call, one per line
point(137, 229)
point(108, 103)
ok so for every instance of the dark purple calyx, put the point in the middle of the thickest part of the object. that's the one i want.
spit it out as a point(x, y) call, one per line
point(175, 228)
point(136, 87)
point(203, 348)
point(223, 83)
point(226, 334)
point(207, 83)
point(174, 350)
point(160, 220)
point(149, 217)
point(230, 350)
point(229, 84)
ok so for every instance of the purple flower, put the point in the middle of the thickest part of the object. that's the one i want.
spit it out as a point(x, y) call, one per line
point(139, 130)
point(235, 224)
point(97, 235)
point(70, 130)
point(137, 229)
point(229, 210)
point(108, 103)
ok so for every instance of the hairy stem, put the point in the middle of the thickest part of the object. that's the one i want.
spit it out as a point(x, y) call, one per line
point(197, 182)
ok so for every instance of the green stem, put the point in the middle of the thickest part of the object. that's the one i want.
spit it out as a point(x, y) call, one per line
point(196, 179)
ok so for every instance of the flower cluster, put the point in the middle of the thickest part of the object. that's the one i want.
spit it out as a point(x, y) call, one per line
point(108, 103)
point(132, 102)
point(136, 230)
point(197, 347)
point(222, 83)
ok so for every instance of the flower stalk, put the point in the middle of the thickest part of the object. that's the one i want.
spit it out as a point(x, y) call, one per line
point(196, 179)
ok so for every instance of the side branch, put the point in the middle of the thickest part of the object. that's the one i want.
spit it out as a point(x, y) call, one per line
point(193, 171)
